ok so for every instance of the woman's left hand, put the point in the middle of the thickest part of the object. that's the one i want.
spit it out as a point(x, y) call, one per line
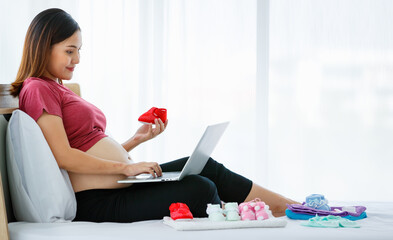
point(147, 132)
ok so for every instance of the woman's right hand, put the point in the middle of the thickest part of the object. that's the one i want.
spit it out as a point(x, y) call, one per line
point(134, 169)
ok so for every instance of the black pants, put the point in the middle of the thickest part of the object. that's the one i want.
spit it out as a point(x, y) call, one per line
point(147, 201)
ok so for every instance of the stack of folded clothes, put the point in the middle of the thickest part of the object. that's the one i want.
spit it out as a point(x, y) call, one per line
point(311, 208)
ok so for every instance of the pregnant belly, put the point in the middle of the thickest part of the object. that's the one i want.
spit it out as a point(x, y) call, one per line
point(106, 148)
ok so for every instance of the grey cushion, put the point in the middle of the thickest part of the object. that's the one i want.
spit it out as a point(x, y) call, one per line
point(40, 190)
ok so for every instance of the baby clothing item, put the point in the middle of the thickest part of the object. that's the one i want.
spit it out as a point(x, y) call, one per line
point(316, 204)
point(261, 210)
point(302, 212)
point(152, 114)
point(198, 224)
point(246, 210)
point(330, 221)
point(180, 211)
point(215, 212)
point(317, 201)
point(254, 210)
point(217, 220)
point(232, 211)
point(349, 209)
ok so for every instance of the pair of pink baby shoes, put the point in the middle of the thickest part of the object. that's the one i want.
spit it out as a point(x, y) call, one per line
point(254, 210)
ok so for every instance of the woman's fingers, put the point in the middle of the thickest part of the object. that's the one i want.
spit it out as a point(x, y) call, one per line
point(157, 129)
point(158, 170)
point(152, 173)
point(160, 127)
point(154, 169)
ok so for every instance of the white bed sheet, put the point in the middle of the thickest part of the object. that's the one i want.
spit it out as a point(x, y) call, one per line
point(378, 225)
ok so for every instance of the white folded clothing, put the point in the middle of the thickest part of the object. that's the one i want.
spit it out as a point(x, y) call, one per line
point(205, 224)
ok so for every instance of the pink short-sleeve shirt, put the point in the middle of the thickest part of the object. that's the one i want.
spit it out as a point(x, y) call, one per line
point(83, 122)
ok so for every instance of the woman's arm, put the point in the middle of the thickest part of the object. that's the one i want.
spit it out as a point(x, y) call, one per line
point(77, 161)
point(145, 133)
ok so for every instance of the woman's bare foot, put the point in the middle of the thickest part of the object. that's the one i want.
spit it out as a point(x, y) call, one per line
point(278, 210)
point(276, 202)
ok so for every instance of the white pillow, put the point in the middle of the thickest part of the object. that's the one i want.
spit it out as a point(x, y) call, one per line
point(40, 190)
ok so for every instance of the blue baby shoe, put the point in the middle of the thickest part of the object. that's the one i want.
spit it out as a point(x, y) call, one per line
point(317, 201)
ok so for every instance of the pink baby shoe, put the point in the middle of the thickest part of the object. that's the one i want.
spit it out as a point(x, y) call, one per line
point(246, 210)
point(261, 209)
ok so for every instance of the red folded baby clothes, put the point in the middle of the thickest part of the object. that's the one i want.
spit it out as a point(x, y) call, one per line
point(152, 114)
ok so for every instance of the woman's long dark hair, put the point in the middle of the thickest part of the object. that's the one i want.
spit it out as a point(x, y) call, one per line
point(47, 28)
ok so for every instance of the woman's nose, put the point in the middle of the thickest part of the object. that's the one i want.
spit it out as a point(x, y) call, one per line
point(76, 59)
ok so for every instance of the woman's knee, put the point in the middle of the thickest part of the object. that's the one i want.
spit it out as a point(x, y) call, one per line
point(201, 186)
point(201, 191)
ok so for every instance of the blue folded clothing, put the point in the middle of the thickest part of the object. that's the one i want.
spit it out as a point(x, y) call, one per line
point(305, 216)
point(303, 212)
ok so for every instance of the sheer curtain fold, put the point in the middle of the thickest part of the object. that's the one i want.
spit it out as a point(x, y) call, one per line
point(199, 62)
point(330, 100)
point(15, 17)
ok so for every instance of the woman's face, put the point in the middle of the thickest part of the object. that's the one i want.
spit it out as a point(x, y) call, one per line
point(64, 57)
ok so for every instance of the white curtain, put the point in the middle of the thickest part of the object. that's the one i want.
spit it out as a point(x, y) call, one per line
point(195, 58)
point(331, 98)
point(15, 17)
point(306, 84)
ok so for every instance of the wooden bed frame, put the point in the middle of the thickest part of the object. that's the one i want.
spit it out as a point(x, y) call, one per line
point(7, 105)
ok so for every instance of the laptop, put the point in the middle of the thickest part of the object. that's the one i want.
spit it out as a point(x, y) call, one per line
point(195, 163)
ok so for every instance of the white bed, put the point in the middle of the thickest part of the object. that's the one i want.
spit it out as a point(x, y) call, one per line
point(378, 224)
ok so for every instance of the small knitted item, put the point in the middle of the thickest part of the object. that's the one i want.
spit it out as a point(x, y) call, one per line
point(232, 211)
point(254, 210)
point(247, 212)
point(152, 114)
point(261, 210)
point(180, 211)
point(317, 201)
point(215, 212)
point(330, 222)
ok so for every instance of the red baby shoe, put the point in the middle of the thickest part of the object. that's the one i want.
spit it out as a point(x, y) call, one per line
point(152, 114)
point(180, 211)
